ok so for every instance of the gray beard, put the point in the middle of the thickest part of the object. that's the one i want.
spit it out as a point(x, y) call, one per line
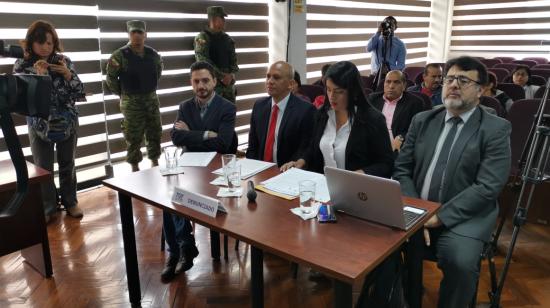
point(458, 105)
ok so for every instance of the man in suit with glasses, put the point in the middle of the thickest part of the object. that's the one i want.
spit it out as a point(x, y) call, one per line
point(459, 156)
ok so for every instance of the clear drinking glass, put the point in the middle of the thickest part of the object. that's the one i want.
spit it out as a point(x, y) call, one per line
point(233, 175)
point(307, 195)
point(228, 160)
point(170, 156)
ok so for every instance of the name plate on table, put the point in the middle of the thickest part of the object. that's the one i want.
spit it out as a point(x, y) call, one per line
point(197, 202)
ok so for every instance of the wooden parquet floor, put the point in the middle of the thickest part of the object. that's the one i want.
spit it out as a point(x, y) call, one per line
point(89, 271)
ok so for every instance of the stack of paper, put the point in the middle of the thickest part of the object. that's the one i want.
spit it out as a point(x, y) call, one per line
point(195, 159)
point(286, 183)
point(249, 167)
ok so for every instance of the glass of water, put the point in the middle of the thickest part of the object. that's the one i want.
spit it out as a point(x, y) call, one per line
point(228, 160)
point(233, 175)
point(170, 156)
point(307, 195)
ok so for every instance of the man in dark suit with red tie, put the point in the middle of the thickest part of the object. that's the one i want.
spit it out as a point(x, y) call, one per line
point(281, 124)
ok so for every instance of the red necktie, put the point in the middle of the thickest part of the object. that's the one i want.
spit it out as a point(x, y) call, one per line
point(268, 151)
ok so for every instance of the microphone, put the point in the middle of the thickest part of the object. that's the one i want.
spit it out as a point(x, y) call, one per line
point(251, 192)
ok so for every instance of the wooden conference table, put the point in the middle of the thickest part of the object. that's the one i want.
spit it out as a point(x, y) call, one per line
point(26, 230)
point(345, 251)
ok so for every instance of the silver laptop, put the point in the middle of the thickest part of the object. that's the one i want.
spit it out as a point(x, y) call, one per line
point(371, 198)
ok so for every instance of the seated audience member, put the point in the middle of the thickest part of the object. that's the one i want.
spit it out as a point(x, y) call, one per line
point(459, 156)
point(431, 84)
point(205, 122)
point(348, 133)
point(296, 85)
point(398, 106)
point(522, 77)
point(280, 125)
point(490, 89)
point(323, 73)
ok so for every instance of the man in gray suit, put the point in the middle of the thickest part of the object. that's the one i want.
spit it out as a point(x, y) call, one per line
point(459, 156)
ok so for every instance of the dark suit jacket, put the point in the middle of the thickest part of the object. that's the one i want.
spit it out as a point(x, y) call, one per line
point(294, 130)
point(219, 118)
point(477, 169)
point(368, 146)
point(406, 108)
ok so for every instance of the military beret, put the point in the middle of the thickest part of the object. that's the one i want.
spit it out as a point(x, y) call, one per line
point(215, 11)
point(135, 25)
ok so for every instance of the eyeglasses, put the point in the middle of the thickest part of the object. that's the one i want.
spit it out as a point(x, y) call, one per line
point(462, 81)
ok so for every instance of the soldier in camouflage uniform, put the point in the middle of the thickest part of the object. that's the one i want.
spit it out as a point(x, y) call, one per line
point(214, 46)
point(133, 72)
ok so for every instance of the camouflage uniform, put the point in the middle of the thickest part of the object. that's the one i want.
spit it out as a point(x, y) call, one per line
point(140, 108)
point(218, 49)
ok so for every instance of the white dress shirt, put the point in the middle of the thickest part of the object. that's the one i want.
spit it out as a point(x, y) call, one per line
point(333, 143)
point(282, 106)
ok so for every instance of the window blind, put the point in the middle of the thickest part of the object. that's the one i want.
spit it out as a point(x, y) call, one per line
point(339, 30)
point(511, 28)
point(91, 30)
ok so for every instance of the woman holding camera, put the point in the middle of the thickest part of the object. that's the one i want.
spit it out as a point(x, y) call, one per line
point(42, 57)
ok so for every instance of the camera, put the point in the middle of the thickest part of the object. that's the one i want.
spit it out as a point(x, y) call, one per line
point(387, 28)
point(26, 95)
point(10, 51)
point(23, 94)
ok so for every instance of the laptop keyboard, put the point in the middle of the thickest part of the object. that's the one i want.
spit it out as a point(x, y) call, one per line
point(410, 218)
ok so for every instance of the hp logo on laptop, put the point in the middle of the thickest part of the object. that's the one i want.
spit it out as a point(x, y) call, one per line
point(362, 196)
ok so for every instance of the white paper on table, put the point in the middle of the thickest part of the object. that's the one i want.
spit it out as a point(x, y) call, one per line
point(313, 212)
point(249, 167)
point(195, 159)
point(287, 183)
point(224, 192)
point(177, 170)
point(219, 181)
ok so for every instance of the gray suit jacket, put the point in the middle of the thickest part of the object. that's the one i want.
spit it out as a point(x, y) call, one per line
point(476, 172)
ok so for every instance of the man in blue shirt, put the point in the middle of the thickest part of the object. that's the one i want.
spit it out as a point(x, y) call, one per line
point(395, 56)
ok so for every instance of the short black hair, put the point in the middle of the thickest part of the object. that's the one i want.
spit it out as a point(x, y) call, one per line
point(526, 68)
point(392, 19)
point(297, 78)
point(402, 76)
point(324, 69)
point(467, 63)
point(431, 65)
point(202, 65)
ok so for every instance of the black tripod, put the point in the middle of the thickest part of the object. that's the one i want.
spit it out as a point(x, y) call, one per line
point(534, 166)
point(384, 66)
